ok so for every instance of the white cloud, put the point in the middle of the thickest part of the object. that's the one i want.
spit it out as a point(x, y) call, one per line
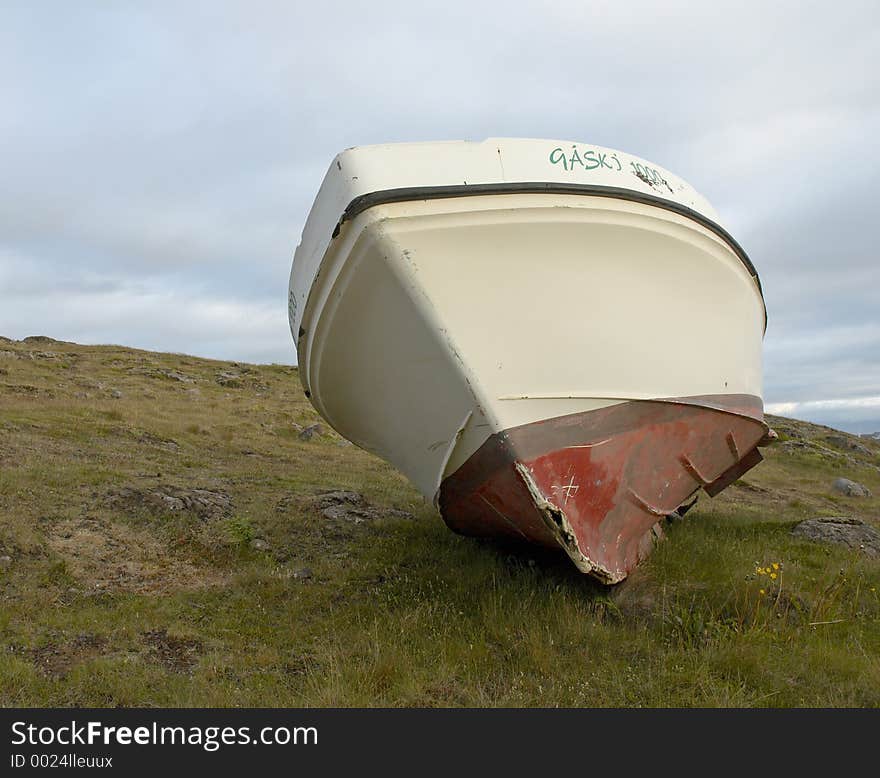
point(854, 414)
point(824, 405)
point(159, 320)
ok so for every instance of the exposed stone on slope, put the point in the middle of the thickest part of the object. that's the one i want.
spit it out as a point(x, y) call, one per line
point(162, 373)
point(848, 443)
point(850, 488)
point(205, 503)
point(229, 379)
point(353, 507)
point(309, 432)
point(852, 533)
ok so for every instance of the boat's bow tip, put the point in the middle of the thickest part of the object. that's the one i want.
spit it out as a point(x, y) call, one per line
point(601, 488)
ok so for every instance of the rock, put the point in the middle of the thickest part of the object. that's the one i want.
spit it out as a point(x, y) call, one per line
point(848, 443)
point(852, 533)
point(5, 561)
point(154, 440)
point(229, 379)
point(205, 503)
point(309, 432)
point(40, 339)
point(163, 373)
point(116, 394)
point(342, 505)
point(850, 488)
point(258, 544)
point(175, 376)
point(302, 574)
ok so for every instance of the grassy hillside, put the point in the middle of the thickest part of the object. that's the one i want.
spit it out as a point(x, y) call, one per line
point(162, 544)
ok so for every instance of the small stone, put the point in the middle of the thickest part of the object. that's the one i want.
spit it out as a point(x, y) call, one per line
point(309, 432)
point(5, 561)
point(302, 574)
point(172, 375)
point(258, 544)
point(850, 488)
point(352, 507)
point(116, 394)
point(229, 379)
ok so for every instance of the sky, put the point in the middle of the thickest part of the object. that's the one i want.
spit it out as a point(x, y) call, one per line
point(158, 160)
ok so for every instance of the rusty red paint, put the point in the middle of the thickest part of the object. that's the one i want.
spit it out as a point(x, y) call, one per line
point(596, 483)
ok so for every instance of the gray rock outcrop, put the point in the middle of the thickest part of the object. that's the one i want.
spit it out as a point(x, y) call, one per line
point(347, 506)
point(850, 488)
point(852, 533)
point(205, 503)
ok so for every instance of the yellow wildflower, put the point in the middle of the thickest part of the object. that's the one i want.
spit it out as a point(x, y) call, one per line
point(763, 592)
point(776, 565)
point(773, 576)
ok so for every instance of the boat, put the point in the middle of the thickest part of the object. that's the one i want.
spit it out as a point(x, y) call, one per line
point(554, 341)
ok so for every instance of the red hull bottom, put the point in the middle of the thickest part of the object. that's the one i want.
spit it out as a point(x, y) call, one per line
point(598, 483)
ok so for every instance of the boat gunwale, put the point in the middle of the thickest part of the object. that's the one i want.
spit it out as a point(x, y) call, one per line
point(369, 200)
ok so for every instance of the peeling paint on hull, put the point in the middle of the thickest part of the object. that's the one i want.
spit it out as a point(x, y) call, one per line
point(597, 483)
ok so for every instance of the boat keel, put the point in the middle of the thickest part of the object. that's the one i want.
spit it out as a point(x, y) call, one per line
point(599, 483)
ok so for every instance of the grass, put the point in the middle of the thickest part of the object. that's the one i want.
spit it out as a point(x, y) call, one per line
point(106, 602)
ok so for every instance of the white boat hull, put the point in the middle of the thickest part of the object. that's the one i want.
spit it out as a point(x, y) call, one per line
point(435, 325)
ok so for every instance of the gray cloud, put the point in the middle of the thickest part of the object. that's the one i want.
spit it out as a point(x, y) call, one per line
point(159, 160)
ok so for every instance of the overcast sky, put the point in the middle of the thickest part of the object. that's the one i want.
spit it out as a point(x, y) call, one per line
point(158, 160)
